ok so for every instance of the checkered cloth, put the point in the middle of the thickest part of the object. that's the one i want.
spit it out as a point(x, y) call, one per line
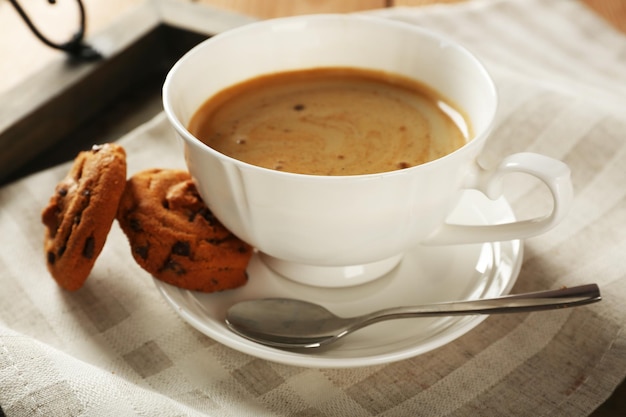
point(116, 348)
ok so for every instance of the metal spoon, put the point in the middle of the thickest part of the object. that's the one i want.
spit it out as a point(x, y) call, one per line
point(289, 323)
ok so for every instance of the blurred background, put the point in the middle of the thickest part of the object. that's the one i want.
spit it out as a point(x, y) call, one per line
point(21, 54)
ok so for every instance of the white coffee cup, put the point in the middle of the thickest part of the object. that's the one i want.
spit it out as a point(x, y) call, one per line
point(337, 231)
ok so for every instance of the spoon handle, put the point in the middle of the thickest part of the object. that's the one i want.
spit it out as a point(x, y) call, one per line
point(535, 301)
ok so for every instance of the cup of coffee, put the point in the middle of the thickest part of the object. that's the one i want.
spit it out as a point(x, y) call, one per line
point(334, 143)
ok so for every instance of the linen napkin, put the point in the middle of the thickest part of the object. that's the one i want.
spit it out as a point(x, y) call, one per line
point(116, 348)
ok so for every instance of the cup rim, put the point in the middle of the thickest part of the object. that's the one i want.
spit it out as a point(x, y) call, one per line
point(475, 141)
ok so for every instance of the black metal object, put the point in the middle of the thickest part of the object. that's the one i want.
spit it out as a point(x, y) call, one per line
point(127, 85)
point(75, 47)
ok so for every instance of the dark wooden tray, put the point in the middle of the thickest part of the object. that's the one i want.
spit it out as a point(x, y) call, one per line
point(69, 106)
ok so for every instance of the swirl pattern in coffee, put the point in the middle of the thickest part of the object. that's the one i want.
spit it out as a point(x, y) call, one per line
point(331, 121)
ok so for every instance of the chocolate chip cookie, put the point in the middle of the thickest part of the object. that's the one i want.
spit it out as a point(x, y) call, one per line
point(81, 212)
point(176, 238)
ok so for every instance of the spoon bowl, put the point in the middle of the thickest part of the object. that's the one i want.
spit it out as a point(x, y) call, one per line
point(295, 324)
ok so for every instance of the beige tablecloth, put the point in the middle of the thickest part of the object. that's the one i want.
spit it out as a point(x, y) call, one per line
point(115, 348)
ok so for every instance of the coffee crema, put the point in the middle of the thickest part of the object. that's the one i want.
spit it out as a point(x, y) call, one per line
point(331, 121)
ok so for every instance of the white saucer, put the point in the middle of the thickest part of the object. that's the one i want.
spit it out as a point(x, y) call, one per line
point(425, 275)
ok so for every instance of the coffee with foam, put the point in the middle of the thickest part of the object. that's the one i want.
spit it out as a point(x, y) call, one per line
point(331, 121)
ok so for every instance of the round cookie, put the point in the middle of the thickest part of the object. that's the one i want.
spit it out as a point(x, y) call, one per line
point(176, 238)
point(81, 212)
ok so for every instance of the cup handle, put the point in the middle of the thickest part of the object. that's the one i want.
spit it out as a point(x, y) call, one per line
point(555, 174)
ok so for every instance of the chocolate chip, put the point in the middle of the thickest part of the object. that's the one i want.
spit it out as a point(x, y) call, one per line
point(51, 258)
point(77, 218)
point(142, 251)
point(135, 225)
point(403, 165)
point(62, 191)
point(181, 248)
point(208, 215)
point(205, 213)
point(174, 267)
point(298, 107)
point(89, 248)
point(217, 242)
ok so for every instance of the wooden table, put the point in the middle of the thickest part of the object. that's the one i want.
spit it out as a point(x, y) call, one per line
point(21, 55)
